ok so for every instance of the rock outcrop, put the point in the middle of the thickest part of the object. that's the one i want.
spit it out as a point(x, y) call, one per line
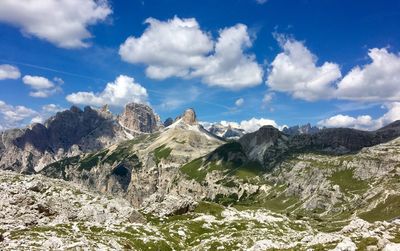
point(304, 129)
point(189, 117)
point(226, 131)
point(168, 122)
point(139, 118)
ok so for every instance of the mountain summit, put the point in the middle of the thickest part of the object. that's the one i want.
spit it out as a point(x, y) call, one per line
point(189, 117)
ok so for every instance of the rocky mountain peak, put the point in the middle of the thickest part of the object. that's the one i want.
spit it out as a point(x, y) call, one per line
point(105, 108)
point(189, 117)
point(75, 109)
point(139, 118)
point(168, 122)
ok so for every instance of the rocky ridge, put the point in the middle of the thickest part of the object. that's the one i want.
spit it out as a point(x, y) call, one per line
point(70, 133)
point(303, 129)
point(226, 131)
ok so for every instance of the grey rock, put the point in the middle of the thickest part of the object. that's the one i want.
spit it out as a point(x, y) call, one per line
point(189, 117)
point(70, 133)
point(139, 118)
point(304, 129)
point(137, 217)
point(168, 122)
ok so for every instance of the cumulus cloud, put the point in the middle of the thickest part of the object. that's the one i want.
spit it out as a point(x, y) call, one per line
point(9, 72)
point(14, 116)
point(365, 122)
point(229, 66)
point(42, 87)
point(62, 22)
point(37, 82)
point(239, 102)
point(179, 48)
point(296, 72)
point(118, 93)
point(377, 81)
point(19, 116)
point(254, 124)
point(52, 108)
point(170, 48)
point(248, 126)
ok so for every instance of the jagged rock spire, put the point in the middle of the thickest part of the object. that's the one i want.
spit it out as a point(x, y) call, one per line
point(189, 117)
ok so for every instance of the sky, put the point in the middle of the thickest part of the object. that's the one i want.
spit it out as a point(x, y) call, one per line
point(244, 62)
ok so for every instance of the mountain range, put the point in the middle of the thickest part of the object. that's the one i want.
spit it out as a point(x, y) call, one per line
point(178, 186)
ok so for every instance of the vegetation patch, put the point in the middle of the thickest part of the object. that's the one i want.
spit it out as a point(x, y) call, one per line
point(385, 211)
point(161, 152)
point(193, 171)
point(211, 208)
point(92, 160)
point(365, 242)
point(346, 181)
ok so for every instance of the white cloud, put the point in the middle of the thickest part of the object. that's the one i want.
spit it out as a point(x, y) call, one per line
point(14, 116)
point(42, 87)
point(61, 22)
point(229, 66)
point(268, 98)
point(118, 93)
point(295, 71)
point(248, 126)
point(52, 108)
point(254, 124)
point(179, 48)
point(170, 48)
point(365, 122)
point(9, 72)
point(37, 82)
point(377, 81)
point(239, 102)
point(19, 116)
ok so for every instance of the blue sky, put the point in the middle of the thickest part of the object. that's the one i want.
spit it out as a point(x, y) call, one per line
point(287, 62)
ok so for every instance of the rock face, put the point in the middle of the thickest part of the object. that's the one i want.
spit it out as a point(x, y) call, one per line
point(139, 118)
point(168, 122)
point(226, 131)
point(304, 129)
point(189, 117)
point(268, 145)
point(72, 132)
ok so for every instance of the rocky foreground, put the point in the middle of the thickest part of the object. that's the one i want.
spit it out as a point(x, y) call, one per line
point(39, 213)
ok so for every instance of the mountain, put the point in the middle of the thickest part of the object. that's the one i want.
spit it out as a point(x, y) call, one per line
point(268, 145)
point(139, 118)
point(181, 187)
point(304, 129)
point(72, 132)
point(226, 131)
point(141, 168)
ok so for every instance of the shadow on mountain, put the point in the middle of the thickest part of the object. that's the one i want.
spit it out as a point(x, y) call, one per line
point(67, 128)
